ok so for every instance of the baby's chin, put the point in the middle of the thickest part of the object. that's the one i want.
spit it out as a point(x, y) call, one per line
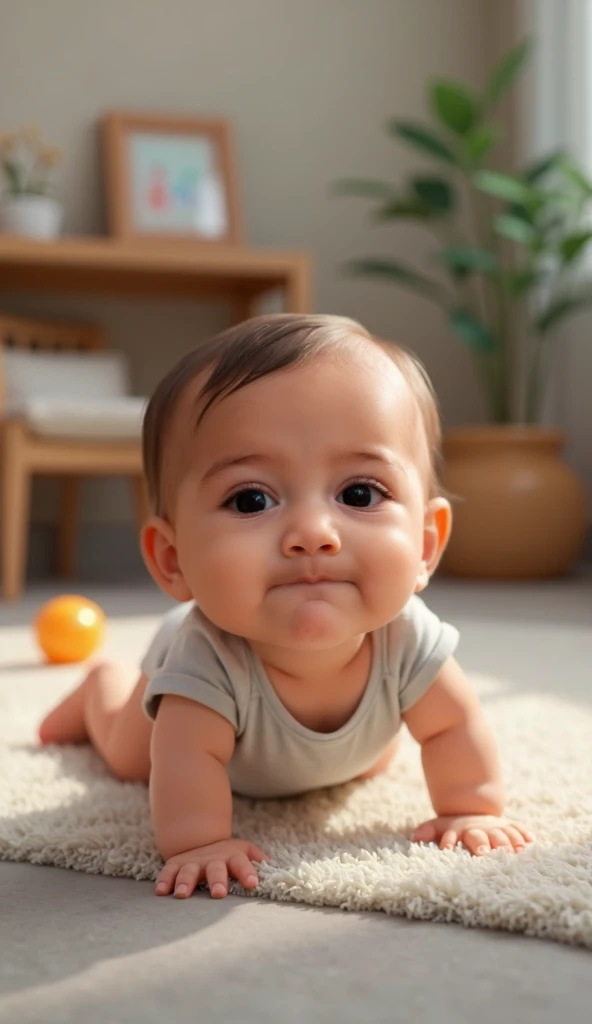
point(306, 625)
point(315, 625)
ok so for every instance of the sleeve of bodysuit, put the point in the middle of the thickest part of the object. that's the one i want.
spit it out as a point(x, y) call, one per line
point(419, 644)
point(195, 667)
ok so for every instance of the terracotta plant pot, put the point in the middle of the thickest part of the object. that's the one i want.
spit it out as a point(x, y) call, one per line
point(522, 511)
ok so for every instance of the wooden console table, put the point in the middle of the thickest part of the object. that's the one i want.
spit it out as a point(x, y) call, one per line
point(106, 266)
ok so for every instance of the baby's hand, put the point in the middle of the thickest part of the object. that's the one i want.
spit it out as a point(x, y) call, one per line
point(480, 833)
point(212, 864)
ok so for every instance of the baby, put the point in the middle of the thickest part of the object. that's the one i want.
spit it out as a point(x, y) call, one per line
point(291, 465)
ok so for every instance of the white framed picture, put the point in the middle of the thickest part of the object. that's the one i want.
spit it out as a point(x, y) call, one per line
point(170, 178)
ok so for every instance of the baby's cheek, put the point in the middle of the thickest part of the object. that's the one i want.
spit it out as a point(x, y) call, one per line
point(393, 565)
point(395, 546)
point(226, 577)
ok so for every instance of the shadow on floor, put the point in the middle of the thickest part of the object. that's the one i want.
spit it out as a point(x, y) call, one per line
point(125, 600)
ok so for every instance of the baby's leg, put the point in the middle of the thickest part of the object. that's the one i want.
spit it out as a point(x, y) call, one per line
point(107, 710)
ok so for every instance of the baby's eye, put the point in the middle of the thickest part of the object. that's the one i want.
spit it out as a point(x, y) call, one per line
point(250, 500)
point(362, 495)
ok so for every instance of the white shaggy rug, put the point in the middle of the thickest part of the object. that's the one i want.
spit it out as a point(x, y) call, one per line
point(346, 847)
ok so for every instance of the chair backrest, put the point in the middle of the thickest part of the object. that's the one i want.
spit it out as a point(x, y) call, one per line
point(43, 358)
point(48, 335)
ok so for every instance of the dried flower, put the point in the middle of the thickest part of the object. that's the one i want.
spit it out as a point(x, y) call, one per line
point(30, 133)
point(7, 140)
point(50, 156)
point(26, 162)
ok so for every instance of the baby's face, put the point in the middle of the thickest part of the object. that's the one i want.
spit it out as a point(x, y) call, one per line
point(299, 518)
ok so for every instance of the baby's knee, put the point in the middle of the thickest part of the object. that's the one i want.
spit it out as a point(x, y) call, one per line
point(100, 670)
point(129, 767)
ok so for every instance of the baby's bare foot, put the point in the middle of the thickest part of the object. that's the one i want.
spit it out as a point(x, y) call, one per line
point(65, 723)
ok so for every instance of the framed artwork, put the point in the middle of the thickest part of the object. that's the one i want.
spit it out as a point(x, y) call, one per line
point(170, 178)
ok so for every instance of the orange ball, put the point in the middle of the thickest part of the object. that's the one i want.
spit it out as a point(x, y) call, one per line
point(69, 628)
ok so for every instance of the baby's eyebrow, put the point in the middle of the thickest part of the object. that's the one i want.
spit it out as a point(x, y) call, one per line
point(378, 455)
point(233, 460)
point(382, 456)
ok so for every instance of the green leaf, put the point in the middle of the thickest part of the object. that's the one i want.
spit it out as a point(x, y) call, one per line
point(521, 212)
point(398, 272)
point(463, 257)
point(434, 193)
point(11, 170)
point(470, 330)
point(505, 186)
point(455, 106)
point(521, 281)
point(516, 228)
point(479, 142)
point(575, 175)
point(399, 209)
point(504, 73)
point(423, 139)
point(532, 172)
point(572, 245)
point(365, 188)
point(551, 224)
point(560, 309)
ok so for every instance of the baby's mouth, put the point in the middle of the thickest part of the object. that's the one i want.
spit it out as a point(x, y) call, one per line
point(313, 579)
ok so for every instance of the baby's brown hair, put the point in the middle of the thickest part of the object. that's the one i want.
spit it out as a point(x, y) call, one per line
point(252, 349)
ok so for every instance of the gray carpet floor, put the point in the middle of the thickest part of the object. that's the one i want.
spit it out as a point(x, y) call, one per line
point(76, 947)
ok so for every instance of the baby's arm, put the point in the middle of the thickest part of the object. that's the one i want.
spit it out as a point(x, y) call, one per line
point(461, 765)
point(191, 801)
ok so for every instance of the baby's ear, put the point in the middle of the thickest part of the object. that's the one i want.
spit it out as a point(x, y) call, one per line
point(159, 551)
point(436, 531)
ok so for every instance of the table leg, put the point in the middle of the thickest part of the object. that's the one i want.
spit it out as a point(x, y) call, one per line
point(298, 288)
point(245, 306)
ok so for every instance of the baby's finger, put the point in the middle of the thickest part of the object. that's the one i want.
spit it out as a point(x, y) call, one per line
point(499, 839)
point(186, 880)
point(449, 839)
point(241, 868)
point(254, 853)
point(477, 841)
point(217, 878)
point(426, 833)
point(166, 879)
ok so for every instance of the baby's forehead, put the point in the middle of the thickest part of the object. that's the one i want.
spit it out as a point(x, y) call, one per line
point(373, 387)
point(366, 363)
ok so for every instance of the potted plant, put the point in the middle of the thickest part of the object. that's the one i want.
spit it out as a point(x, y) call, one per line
point(27, 165)
point(505, 273)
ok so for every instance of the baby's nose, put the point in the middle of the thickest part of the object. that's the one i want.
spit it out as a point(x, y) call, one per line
point(309, 533)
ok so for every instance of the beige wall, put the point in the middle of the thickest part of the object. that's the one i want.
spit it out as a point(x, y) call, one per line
point(307, 85)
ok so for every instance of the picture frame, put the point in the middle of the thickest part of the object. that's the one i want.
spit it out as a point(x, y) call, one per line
point(170, 178)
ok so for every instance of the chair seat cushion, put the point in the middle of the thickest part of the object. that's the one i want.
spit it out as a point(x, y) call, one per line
point(30, 375)
point(85, 418)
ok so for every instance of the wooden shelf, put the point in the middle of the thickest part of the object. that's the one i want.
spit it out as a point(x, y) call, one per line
point(185, 269)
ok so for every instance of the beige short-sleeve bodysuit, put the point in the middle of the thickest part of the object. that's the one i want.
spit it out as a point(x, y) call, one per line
point(275, 755)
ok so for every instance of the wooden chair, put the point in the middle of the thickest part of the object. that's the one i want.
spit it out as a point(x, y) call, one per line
point(30, 446)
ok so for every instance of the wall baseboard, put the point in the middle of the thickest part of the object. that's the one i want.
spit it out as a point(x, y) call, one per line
point(110, 553)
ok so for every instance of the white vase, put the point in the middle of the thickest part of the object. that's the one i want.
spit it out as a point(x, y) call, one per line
point(33, 216)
